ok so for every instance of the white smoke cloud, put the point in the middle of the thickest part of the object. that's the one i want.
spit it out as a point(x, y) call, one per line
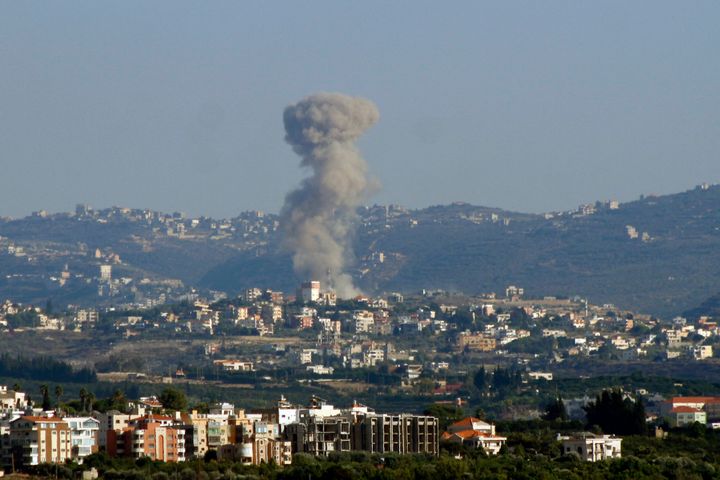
point(318, 217)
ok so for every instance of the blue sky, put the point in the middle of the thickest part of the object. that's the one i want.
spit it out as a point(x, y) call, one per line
point(530, 106)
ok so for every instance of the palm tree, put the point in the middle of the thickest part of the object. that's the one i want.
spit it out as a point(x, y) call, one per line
point(45, 392)
point(83, 399)
point(90, 400)
point(58, 394)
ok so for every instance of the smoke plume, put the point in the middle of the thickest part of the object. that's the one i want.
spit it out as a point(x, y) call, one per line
point(318, 217)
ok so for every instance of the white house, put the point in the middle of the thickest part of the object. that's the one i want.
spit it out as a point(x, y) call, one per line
point(591, 447)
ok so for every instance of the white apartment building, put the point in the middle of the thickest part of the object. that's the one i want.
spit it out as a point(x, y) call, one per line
point(593, 448)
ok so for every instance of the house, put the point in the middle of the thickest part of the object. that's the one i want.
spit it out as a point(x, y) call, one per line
point(472, 423)
point(540, 375)
point(591, 447)
point(491, 444)
point(682, 416)
point(477, 341)
point(475, 433)
point(10, 399)
point(701, 352)
point(320, 369)
point(709, 405)
point(235, 365)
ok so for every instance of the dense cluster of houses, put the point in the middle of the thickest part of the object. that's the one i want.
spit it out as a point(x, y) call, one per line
point(361, 334)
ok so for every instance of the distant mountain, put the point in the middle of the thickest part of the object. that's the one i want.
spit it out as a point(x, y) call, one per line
point(709, 308)
point(659, 254)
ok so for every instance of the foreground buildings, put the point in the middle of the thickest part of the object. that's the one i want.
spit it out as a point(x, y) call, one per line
point(33, 440)
point(251, 437)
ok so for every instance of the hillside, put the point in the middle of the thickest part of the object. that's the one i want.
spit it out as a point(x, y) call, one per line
point(672, 268)
point(675, 267)
point(659, 254)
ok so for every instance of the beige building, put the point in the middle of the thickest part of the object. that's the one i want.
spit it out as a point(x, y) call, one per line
point(36, 440)
point(475, 341)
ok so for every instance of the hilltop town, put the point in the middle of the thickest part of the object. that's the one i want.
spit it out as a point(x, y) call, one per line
point(606, 252)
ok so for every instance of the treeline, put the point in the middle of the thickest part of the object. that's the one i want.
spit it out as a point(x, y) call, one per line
point(26, 319)
point(615, 413)
point(43, 368)
point(362, 465)
point(500, 382)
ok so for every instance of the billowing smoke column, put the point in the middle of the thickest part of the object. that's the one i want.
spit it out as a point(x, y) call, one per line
point(318, 218)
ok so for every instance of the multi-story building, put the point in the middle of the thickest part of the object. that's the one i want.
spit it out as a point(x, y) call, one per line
point(106, 273)
point(10, 399)
point(403, 433)
point(363, 321)
point(310, 291)
point(111, 421)
point(195, 426)
point(682, 416)
point(319, 435)
point(85, 435)
point(152, 436)
point(591, 447)
point(217, 431)
point(35, 440)
point(86, 316)
point(709, 405)
point(477, 341)
point(260, 443)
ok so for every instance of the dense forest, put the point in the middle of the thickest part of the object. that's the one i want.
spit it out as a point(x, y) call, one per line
point(43, 368)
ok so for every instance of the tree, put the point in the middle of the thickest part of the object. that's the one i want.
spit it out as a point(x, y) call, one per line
point(615, 414)
point(481, 379)
point(83, 399)
point(45, 392)
point(446, 414)
point(117, 401)
point(173, 399)
point(90, 401)
point(556, 411)
point(58, 394)
point(16, 387)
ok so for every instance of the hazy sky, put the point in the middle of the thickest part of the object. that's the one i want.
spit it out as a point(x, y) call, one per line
point(531, 106)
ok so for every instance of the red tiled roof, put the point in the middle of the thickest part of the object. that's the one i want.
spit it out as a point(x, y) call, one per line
point(467, 422)
point(32, 418)
point(466, 434)
point(695, 400)
point(686, 410)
